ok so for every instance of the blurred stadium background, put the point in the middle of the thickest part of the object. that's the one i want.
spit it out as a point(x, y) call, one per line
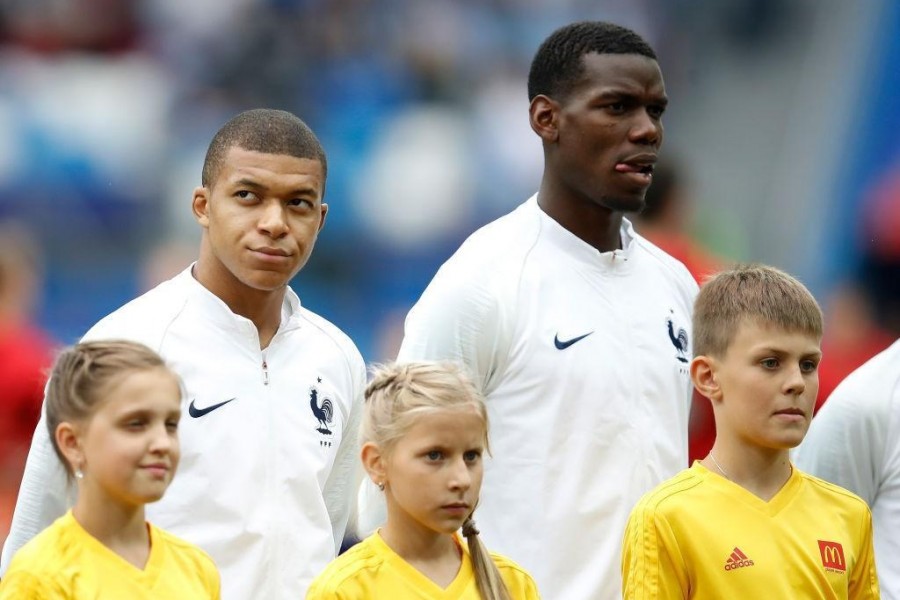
point(783, 115)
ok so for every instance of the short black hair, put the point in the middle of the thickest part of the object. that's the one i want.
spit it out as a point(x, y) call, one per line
point(263, 130)
point(558, 64)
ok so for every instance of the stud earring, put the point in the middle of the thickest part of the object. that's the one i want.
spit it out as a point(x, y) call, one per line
point(79, 474)
point(380, 485)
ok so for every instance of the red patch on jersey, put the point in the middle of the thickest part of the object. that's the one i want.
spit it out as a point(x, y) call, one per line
point(832, 556)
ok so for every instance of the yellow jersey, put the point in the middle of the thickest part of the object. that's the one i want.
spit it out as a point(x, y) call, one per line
point(370, 569)
point(701, 536)
point(65, 561)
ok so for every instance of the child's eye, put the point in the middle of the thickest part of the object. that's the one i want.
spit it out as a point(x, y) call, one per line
point(769, 363)
point(434, 455)
point(172, 425)
point(472, 456)
point(135, 424)
point(808, 366)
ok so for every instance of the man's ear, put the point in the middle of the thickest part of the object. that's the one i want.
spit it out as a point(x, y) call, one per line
point(543, 114)
point(68, 440)
point(324, 209)
point(200, 206)
point(373, 461)
point(703, 375)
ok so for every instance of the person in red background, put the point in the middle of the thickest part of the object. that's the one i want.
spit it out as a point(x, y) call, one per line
point(853, 335)
point(665, 222)
point(26, 352)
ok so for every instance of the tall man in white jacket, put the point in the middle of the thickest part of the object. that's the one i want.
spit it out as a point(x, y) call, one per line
point(273, 392)
point(575, 327)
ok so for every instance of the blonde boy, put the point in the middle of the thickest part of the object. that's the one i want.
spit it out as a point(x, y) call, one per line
point(743, 522)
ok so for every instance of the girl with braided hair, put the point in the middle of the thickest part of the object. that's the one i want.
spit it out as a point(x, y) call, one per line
point(112, 413)
point(423, 435)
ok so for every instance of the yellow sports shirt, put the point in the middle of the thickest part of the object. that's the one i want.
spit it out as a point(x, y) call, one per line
point(371, 569)
point(699, 535)
point(65, 561)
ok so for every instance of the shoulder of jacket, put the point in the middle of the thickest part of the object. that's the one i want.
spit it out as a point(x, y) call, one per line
point(872, 388)
point(336, 335)
point(671, 267)
point(145, 319)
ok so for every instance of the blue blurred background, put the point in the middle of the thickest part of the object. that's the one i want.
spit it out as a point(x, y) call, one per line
point(783, 118)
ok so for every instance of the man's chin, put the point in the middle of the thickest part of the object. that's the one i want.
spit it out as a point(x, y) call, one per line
point(634, 203)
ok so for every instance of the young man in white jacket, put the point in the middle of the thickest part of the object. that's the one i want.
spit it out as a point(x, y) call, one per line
point(273, 392)
point(575, 328)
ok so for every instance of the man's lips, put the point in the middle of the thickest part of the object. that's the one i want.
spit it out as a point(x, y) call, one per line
point(638, 163)
point(271, 251)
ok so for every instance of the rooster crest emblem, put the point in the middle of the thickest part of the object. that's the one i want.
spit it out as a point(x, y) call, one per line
point(324, 412)
point(679, 340)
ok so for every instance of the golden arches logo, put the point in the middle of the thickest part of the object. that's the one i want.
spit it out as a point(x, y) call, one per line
point(832, 555)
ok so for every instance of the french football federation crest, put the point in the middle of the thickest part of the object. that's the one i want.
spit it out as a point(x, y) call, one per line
point(678, 338)
point(323, 412)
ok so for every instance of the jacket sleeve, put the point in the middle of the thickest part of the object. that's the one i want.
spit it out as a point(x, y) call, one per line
point(44, 494)
point(346, 473)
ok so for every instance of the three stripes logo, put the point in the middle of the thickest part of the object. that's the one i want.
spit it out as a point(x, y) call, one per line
point(832, 556)
point(737, 560)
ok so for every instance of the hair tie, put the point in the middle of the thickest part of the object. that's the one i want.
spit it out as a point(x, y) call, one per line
point(469, 529)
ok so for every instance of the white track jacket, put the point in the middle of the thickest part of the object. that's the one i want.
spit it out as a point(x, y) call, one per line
point(268, 439)
point(583, 356)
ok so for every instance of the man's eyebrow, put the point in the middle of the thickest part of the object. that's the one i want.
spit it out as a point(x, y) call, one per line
point(630, 97)
point(305, 190)
point(302, 190)
point(244, 182)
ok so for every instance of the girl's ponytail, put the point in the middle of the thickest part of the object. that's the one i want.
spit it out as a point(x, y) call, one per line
point(487, 576)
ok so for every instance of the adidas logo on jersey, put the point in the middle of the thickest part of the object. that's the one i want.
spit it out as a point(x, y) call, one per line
point(737, 560)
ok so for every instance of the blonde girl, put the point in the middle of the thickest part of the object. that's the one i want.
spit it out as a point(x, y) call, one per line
point(112, 410)
point(424, 433)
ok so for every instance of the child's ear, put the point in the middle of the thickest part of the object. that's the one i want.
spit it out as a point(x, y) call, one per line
point(68, 441)
point(703, 375)
point(373, 463)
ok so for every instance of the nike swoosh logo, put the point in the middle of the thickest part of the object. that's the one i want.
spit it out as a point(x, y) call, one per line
point(199, 412)
point(562, 345)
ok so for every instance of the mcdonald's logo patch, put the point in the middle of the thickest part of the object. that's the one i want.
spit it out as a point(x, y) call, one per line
point(832, 556)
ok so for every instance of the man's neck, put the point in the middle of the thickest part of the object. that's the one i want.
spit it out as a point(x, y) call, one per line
point(593, 224)
point(262, 307)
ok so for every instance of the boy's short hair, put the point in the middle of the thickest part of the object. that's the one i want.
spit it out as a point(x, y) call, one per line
point(751, 292)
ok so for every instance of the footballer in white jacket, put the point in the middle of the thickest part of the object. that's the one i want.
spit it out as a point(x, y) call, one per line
point(273, 392)
point(575, 328)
